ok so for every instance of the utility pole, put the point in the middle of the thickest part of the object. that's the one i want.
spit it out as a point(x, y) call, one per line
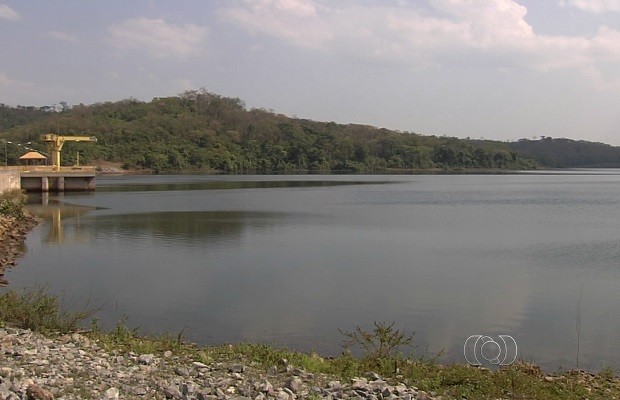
point(6, 163)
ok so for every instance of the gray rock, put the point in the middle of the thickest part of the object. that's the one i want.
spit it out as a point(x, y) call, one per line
point(138, 391)
point(35, 392)
point(422, 395)
point(146, 359)
point(282, 395)
point(373, 376)
point(386, 392)
point(237, 368)
point(294, 384)
point(334, 385)
point(111, 394)
point(188, 388)
point(172, 392)
point(361, 384)
point(400, 389)
point(205, 396)
point(199, 365)
point(265, 387)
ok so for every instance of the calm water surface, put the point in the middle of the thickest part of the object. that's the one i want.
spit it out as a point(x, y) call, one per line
point(291, 259)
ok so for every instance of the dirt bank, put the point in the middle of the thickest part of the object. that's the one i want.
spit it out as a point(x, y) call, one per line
point(13, 230)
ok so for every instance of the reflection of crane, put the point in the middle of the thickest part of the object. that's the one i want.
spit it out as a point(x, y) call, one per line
point(55, 143)
point(63, 220)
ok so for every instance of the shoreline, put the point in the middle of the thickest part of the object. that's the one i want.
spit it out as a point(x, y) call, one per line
point(77, 366)
point(119, 364)
point(115, 169)
point(13, 231)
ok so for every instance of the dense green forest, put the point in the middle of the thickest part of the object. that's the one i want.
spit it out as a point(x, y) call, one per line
point(566, 153)
point(202, 131)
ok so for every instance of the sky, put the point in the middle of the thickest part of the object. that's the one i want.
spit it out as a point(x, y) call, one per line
point(493, 69)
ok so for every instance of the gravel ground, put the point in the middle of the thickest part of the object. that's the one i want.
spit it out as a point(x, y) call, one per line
point(74, 367)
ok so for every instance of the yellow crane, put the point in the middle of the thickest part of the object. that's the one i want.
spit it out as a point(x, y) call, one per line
point(55, 143)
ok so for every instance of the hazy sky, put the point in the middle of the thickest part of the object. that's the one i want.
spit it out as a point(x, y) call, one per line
point(498, 69)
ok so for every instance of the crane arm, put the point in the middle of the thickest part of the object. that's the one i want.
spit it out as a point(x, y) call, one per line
point(55, 143)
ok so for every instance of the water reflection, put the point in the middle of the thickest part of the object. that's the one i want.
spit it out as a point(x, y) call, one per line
point(223, 184)
point(183, 228)
point(70, 223)
point(54, 213)
point(444, 256)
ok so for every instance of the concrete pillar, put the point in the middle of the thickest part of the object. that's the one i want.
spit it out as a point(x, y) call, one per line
point(61, 184)
point(90, 183)
point(45, 184)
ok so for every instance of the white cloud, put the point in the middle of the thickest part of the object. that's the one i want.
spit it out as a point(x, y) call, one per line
point(63, 36)
point(422, 34)
point(7, 12)
point(595, 6)
point(296, 21)
point(158, 38)
point(302, 8)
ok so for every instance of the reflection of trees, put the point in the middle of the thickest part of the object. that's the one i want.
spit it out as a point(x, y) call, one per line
point(213, 185)
point(183, 226)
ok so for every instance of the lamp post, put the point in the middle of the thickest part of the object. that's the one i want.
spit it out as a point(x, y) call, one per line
point(6, 158)
point(5, 153)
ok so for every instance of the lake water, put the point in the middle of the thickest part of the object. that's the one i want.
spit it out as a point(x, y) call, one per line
point(291, 259)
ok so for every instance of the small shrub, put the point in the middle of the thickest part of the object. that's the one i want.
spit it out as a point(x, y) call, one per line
point(12, 203)
point(383, 342)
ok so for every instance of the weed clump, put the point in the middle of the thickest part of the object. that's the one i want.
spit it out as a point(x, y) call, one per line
point(39, 311)
point(12, 204)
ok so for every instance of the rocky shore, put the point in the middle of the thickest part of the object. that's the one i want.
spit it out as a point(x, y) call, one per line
point(75, 367)
point(13, 230)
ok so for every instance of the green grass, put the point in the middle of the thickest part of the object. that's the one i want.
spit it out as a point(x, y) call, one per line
point(12, 203)
point(39, 311)
point(125, 339)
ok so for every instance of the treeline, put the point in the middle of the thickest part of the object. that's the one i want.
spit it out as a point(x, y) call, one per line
point(15, 116)
point(204, 131)
point(566, 153)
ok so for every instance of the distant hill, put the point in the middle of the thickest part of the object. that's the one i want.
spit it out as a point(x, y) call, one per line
point(566, 153)
point(203, 131)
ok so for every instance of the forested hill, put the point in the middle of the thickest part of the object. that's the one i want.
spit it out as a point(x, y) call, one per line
point(566, 153)
point(14, 116)
point(204, 131)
